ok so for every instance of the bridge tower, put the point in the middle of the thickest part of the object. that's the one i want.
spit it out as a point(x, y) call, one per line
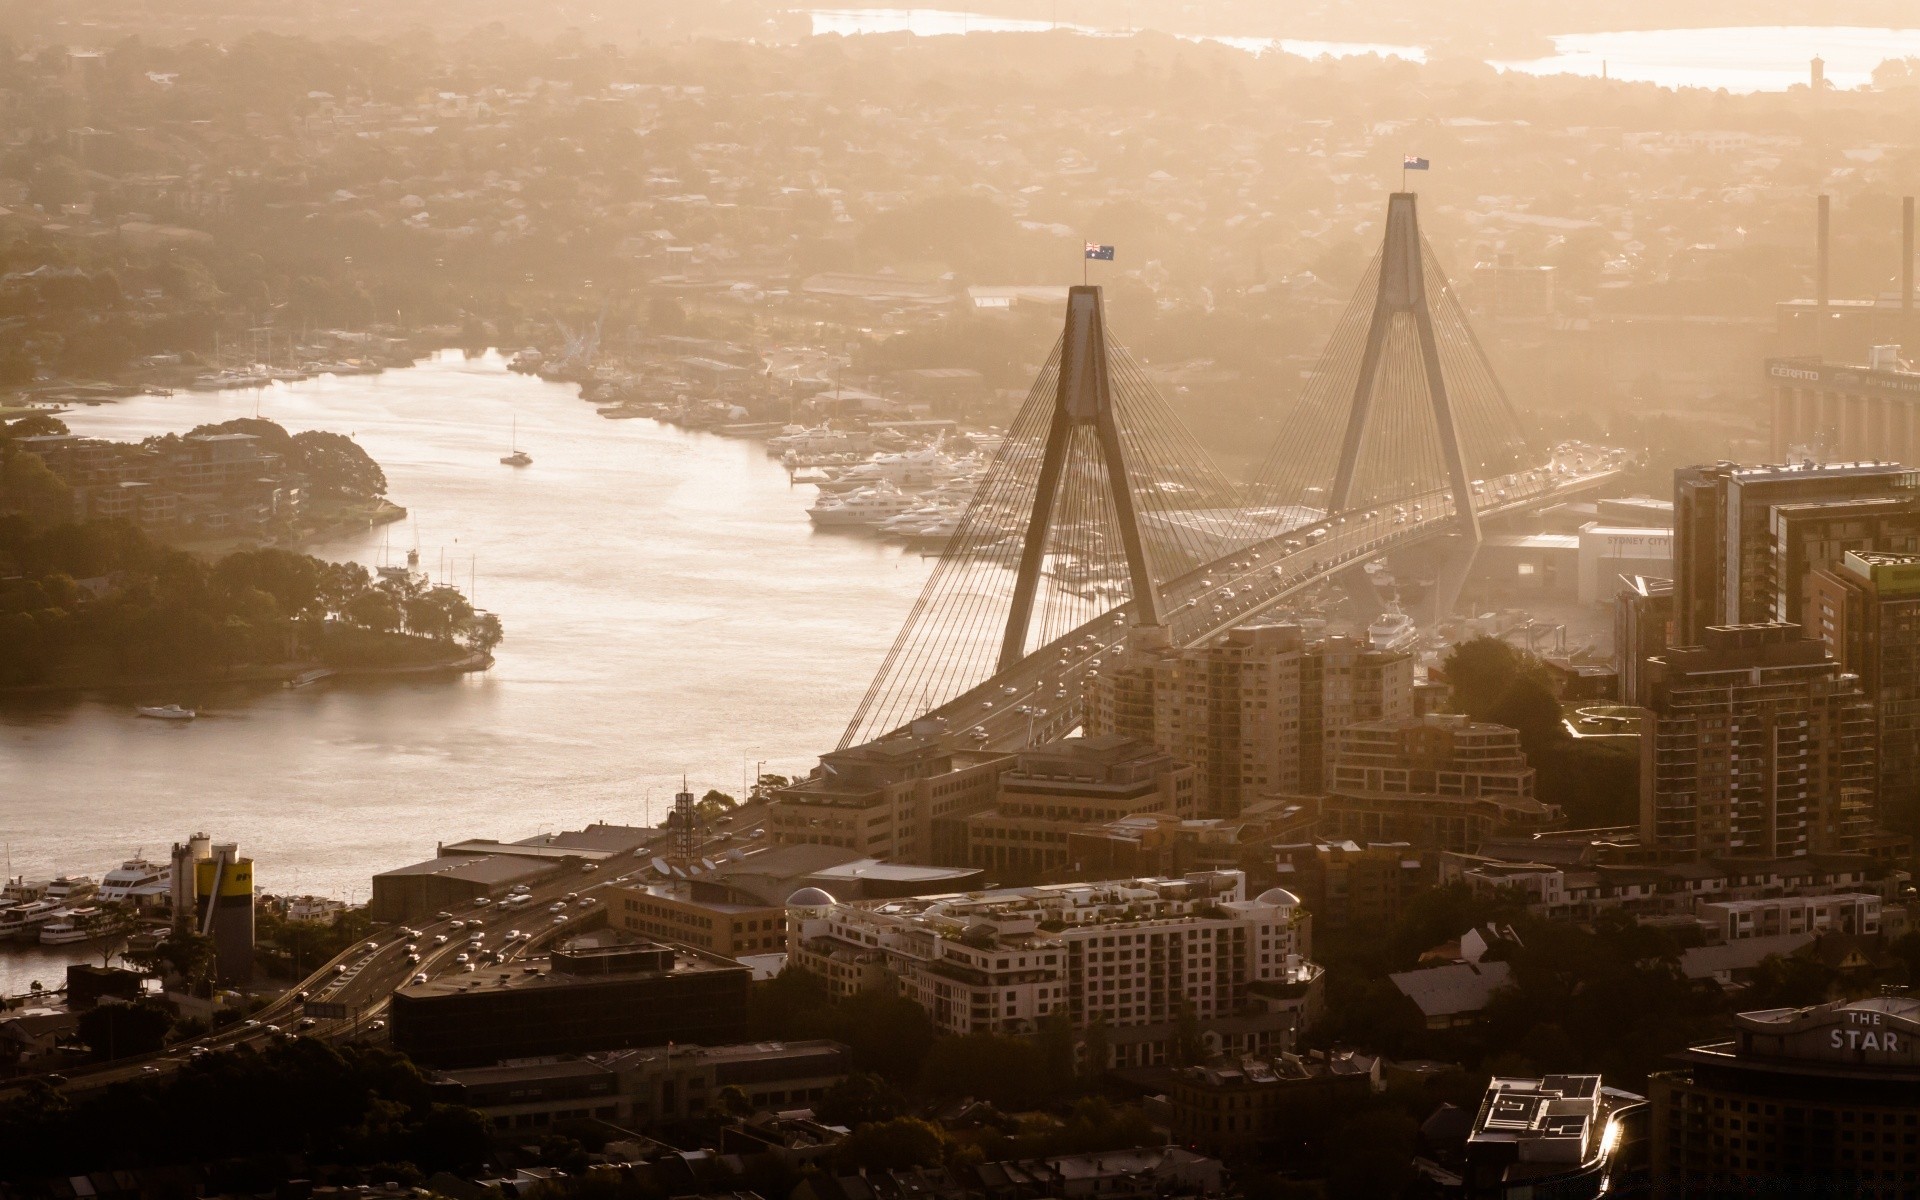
point(1083, 398)
point(1403, 295)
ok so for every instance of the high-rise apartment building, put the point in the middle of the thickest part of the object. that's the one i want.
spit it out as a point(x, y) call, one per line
point(1866, 612)
point(1136, 958)
point(1252, 710)
point(1642, 628)
point(1725, 566)
point(1756, 745)
point(1809, 537)
point(1440, 782)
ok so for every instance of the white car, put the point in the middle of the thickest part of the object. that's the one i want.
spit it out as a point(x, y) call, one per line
point(439, 939)
point(420, 978)
point(560, 920)
point(461, 959)
point(557, 906)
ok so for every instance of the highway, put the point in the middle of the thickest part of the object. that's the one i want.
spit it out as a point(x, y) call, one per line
point(1039, 700)
point(359, 983)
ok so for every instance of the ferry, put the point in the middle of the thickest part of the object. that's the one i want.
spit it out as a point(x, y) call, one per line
point(165, 712)
point(73, 925)
point(22, 922)
point(136, 879)
point(1393, 631)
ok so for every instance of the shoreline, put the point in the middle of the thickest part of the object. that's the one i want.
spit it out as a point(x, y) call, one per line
point(466, 664)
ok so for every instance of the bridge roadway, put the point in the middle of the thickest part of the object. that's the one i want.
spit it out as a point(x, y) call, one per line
point(1039, 700)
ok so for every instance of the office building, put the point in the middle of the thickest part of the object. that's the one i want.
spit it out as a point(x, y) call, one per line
point(574, 1001)
point(635, 1088)
point(1642, 628)
point(1866, 611)
point(1845, 411)
point(1441, 782)
point(1818, 1101)
point(1755, 745)
point(883, 799)
point(1133, 957)
point(213, 896)
point(1048, 792)
point(1252, 710)
point(1725, 569)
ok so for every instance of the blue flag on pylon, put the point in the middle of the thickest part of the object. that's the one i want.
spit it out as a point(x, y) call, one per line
point(1413, 163)
point(1096, 251)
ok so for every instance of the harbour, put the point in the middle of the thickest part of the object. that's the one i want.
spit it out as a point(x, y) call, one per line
point(668, 607)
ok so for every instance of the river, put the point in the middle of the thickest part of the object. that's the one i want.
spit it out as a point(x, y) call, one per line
point(1764, 58)
point(668, 608)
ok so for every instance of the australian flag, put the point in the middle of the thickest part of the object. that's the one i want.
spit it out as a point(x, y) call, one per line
point(1414, 163)
point(1102, 253)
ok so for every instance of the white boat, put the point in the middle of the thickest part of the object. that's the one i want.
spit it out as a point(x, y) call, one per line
point(913, 470)
point(136, 879)
point(23, 921)
point(73, 925)
point(1393, 631)
point(165, 712)
point(868, 507)
point(308, 678)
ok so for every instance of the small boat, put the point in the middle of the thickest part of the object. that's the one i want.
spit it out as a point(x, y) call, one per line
point(307, 678)
point(165, 712)
point(519, 457)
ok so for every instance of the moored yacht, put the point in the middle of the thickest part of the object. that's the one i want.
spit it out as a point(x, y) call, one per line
point(1393, 631)
point(867, 507)
point(23, 921)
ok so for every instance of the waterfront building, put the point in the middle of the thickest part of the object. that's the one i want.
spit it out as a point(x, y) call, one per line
point(453, 881)
point(1439, 782)
point(1866, 611)
point(884, 798)
point(1347, 883)
point(1253, 710)
point(636, 1088)
point(1725, 568)
point(1545, 1137)
point(1845, 411)
point(1134, 957)
point(1817, 1101)
point(1046, 793)
point(1756, 745)
point(574, 1001)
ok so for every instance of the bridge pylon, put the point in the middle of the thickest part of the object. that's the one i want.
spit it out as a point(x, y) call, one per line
point(1083, 399)
point(1402, 296)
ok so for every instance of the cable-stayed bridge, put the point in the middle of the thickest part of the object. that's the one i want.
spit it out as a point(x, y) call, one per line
point(1101, 519)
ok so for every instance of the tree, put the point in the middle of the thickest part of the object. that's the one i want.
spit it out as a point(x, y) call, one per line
point(1008, 1072)
point(115, 925)
point(733, 1101)
point(897, 1145)
point(862, 1098)
point(115, 1030)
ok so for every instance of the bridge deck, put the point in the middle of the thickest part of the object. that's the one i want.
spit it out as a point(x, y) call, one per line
point(1039, 699)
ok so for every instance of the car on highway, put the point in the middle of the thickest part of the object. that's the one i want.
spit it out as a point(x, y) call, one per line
point(373, 947)
point(560, 920)
point(571, 896)
point(413, 960)
point(482, 902)
point(461, 957)
point(514, 935)
point(306, 1023)
point(339, 968)
point(557, 906)
point(411, 948)
point(439, 939)
point(377, 1026)
point(584, 902)
point(457, 925)
point(420, 978)
point(443, 916)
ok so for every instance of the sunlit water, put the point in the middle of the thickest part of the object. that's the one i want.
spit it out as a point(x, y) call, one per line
point(1758, 59)
point(668, 608)
point(1738, 59)
point(933, 22)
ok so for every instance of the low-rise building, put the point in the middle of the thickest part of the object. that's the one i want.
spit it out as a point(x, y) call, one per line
point(1347, 883)
point(1543, 1137)
point(884, 799)
point(1046, 793)
point(1281, 1107)
point(634, 1088)
point(1135, 957)
point(575, 1001)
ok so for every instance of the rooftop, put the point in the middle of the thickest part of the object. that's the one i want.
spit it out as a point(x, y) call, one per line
point(546, 973)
